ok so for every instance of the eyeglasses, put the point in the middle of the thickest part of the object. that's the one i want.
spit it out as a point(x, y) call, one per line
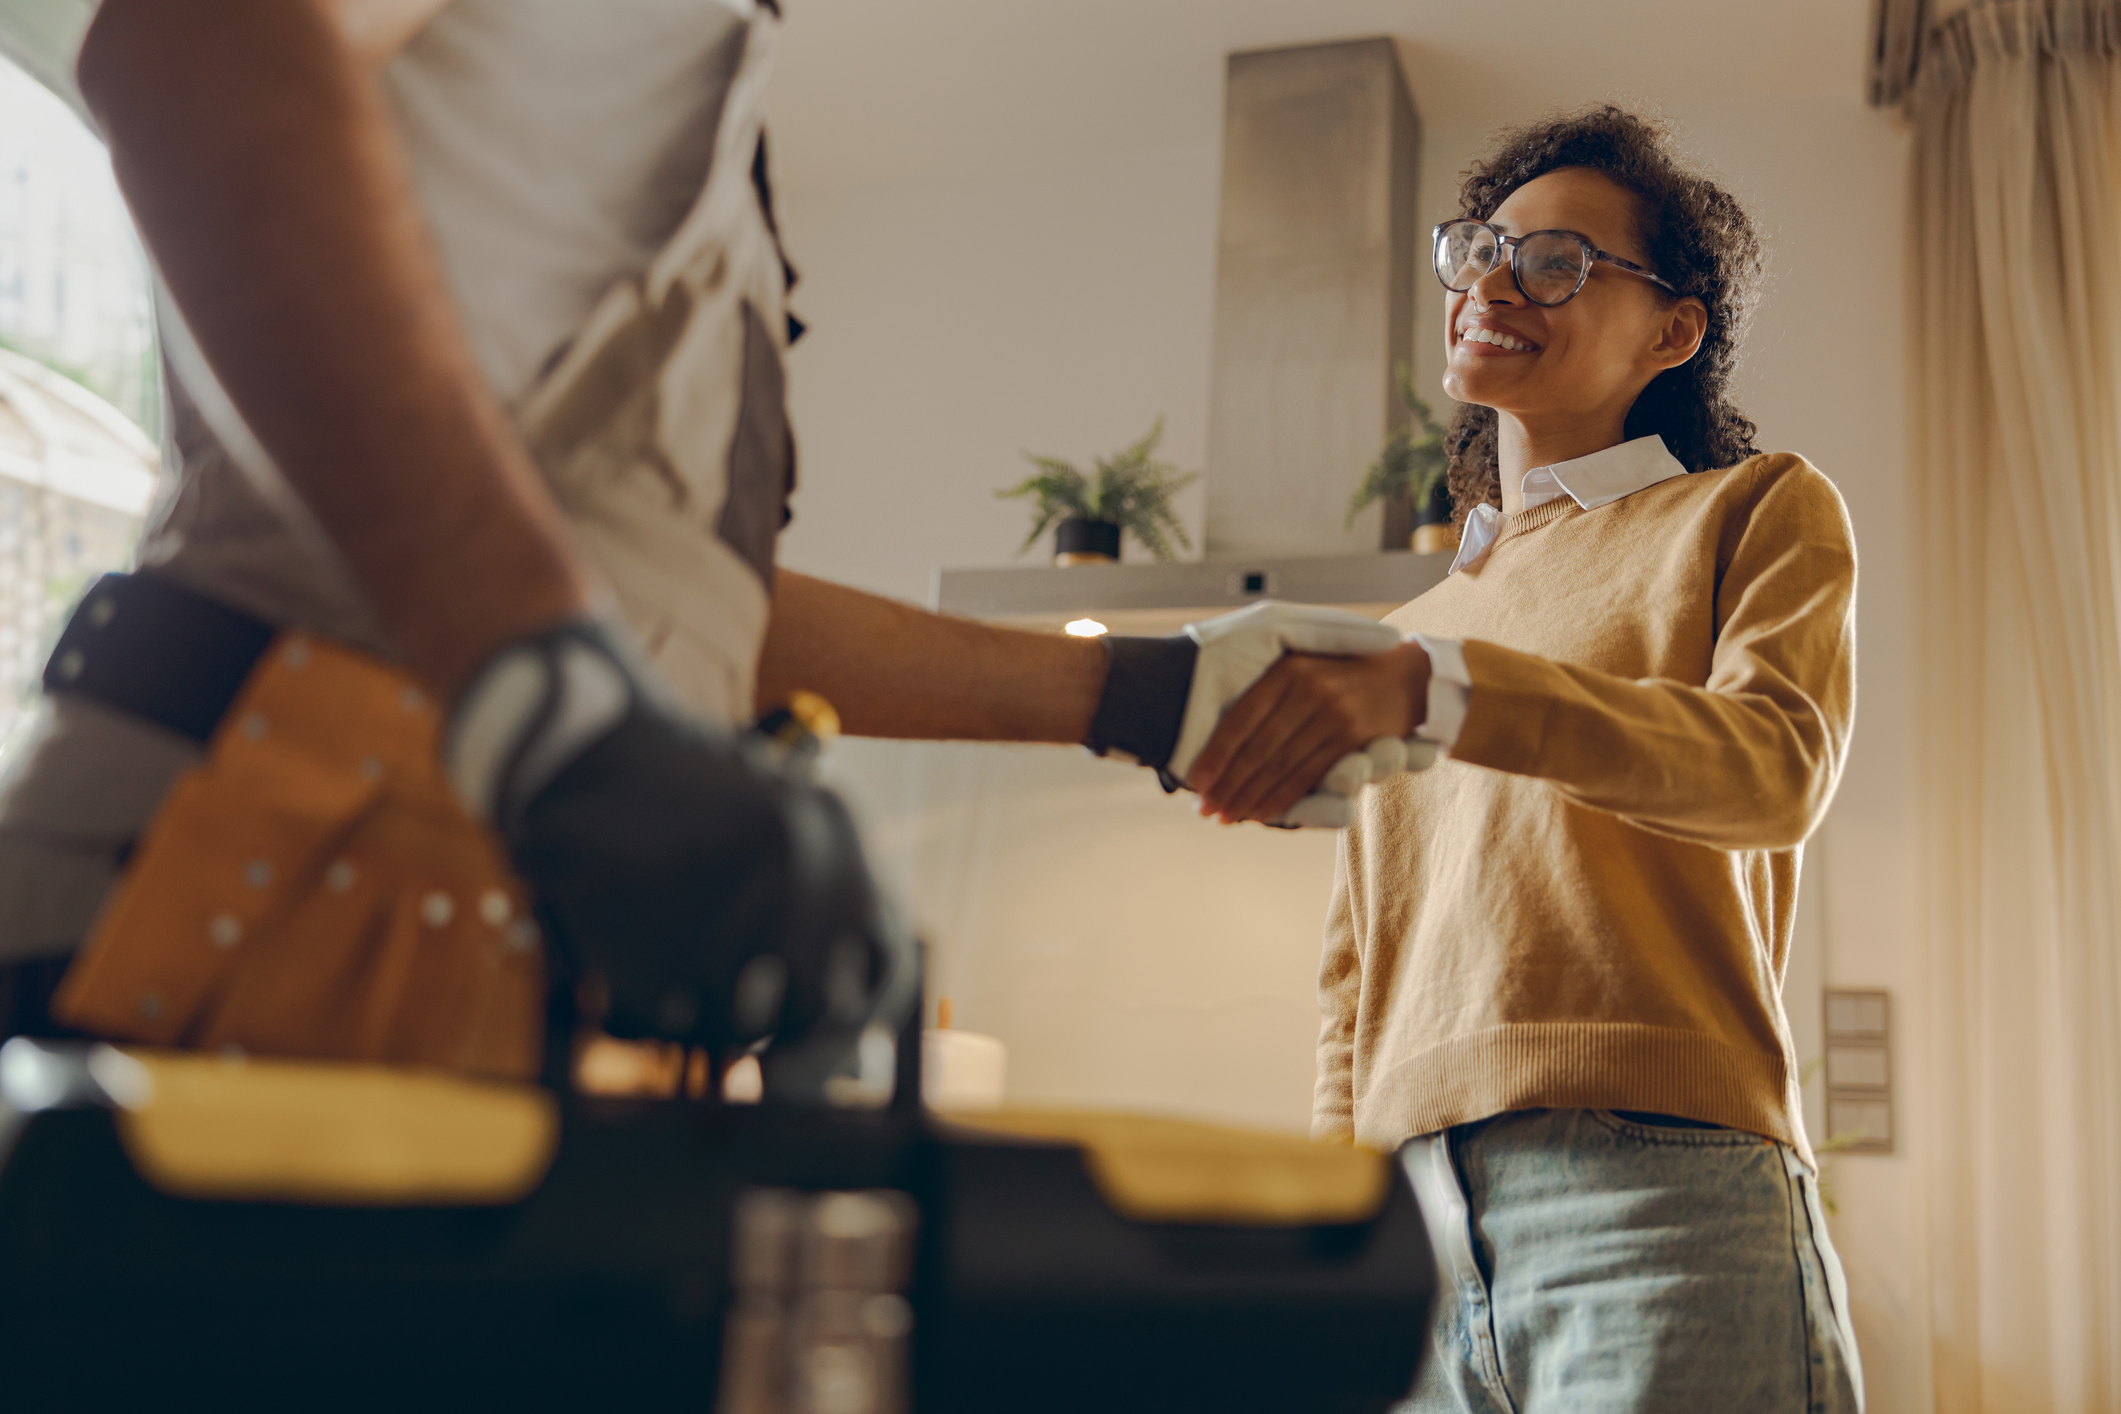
point(1549, 266)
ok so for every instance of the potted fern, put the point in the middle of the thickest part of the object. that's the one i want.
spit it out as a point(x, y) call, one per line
point(1411, 477)
point(1129, 493)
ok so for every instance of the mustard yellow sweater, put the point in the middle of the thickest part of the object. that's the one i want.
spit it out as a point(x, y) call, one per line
point(1589, 904)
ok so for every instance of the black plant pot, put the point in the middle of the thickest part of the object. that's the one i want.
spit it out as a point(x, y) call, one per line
point(1433, 534)
point(1396, 527)
point(1085, 542)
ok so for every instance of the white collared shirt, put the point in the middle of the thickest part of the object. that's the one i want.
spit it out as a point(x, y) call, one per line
point(1593, 481)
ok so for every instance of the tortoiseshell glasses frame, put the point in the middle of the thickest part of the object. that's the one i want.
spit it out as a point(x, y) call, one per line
point(1559, 257)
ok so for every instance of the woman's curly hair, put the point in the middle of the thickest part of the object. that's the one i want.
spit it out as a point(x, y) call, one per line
point(1695, 235)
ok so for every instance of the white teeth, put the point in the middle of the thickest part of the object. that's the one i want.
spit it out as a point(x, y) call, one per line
point(1489, 336)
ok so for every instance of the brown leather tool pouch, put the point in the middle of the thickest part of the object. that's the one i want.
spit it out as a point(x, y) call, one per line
point(315, 889)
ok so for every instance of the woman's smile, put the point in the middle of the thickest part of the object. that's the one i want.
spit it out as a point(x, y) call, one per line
point(1487, 337)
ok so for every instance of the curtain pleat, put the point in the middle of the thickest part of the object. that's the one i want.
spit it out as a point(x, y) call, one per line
point(2015, 264)
point(1897, 31)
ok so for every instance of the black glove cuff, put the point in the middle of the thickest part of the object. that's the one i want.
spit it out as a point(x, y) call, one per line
point(534, 706)
point(1144, 702)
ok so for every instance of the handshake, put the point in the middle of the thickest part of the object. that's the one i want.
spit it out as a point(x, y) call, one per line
point(1168, 704)
point(722, 900)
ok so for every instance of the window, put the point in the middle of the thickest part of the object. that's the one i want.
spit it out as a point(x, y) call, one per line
point(80, 387)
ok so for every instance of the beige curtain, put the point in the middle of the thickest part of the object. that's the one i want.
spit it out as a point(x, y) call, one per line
point(2016, 367)
point(1898, 29)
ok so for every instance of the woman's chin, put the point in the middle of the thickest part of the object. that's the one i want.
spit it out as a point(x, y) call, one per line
point(1475, 382)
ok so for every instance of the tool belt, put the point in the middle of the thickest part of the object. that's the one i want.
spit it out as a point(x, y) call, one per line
point(313, 888)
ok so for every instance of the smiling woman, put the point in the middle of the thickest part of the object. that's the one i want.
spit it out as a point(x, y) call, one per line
point(1552, 972)
point(1617, 168)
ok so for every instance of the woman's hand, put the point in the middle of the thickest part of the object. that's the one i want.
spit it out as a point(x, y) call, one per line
point(1275, 743)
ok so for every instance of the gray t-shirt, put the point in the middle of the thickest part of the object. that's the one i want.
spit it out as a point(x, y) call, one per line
point(555, 147)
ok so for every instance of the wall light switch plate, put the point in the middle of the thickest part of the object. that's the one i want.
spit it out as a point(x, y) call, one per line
point(1866, 1121)
point(1853, 1014)
point(1859, 1071)
point(1858, 1065)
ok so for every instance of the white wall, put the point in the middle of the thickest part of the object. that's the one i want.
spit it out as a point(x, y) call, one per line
point(965, 312)
point(958, 324)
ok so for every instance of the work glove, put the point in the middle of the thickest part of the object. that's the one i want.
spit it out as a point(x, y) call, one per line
point(720, 899)
point(1164, 696)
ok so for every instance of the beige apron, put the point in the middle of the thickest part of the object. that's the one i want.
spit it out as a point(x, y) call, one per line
point(313, 888)
point(663, 426)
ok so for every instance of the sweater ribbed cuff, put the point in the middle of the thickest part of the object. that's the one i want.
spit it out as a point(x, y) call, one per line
point(1504, 726)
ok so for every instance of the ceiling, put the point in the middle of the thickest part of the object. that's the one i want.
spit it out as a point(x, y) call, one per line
point(883, 90)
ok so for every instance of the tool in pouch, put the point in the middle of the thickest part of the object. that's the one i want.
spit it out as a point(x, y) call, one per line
point(315, 888)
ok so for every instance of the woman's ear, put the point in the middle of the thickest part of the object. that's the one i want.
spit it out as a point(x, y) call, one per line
point(1679, 337)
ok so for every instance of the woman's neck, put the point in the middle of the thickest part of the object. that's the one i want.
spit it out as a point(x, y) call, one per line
point(1520, 446)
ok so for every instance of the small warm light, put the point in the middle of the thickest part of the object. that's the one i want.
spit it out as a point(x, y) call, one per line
point(1086, 628)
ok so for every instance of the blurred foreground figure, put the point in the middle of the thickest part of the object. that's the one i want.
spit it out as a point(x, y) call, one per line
point(430, 680)
point(431, 683)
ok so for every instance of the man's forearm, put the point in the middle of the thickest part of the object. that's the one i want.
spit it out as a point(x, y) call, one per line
point(264, 173)
point(896, 671)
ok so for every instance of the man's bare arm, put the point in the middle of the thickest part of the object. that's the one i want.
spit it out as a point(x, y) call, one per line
point(896, 671)
point(378, 29)
point(252, 144)
point(253, 147)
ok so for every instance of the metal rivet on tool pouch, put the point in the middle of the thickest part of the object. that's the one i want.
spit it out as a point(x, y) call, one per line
point(70, 664)
point(226, 930)
point(102, 612)
point(297, 655)
point(438, 908)
point(495, 908)
point(371, 768)
point(254, 727)
point(257, 873)
point(340, 877)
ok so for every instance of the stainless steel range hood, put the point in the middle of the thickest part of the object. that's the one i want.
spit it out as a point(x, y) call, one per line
point(1314, 308)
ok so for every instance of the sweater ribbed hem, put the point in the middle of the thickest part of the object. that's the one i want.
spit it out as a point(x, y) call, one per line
point(1580, 1065)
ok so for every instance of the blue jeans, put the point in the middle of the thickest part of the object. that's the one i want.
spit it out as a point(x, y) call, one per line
point(1599, 1265)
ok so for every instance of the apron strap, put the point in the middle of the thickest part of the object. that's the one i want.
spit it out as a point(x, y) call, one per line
point(737, 173)
point(764, 185)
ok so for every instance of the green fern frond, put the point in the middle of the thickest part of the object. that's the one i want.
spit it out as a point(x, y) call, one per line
point(1415, 460)
point(1130, 489)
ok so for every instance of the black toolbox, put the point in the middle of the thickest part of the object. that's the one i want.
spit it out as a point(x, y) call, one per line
point(611, 1286)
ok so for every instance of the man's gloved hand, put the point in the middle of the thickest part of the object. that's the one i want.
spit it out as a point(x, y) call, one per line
point(721, 900)
point(1163, 696)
